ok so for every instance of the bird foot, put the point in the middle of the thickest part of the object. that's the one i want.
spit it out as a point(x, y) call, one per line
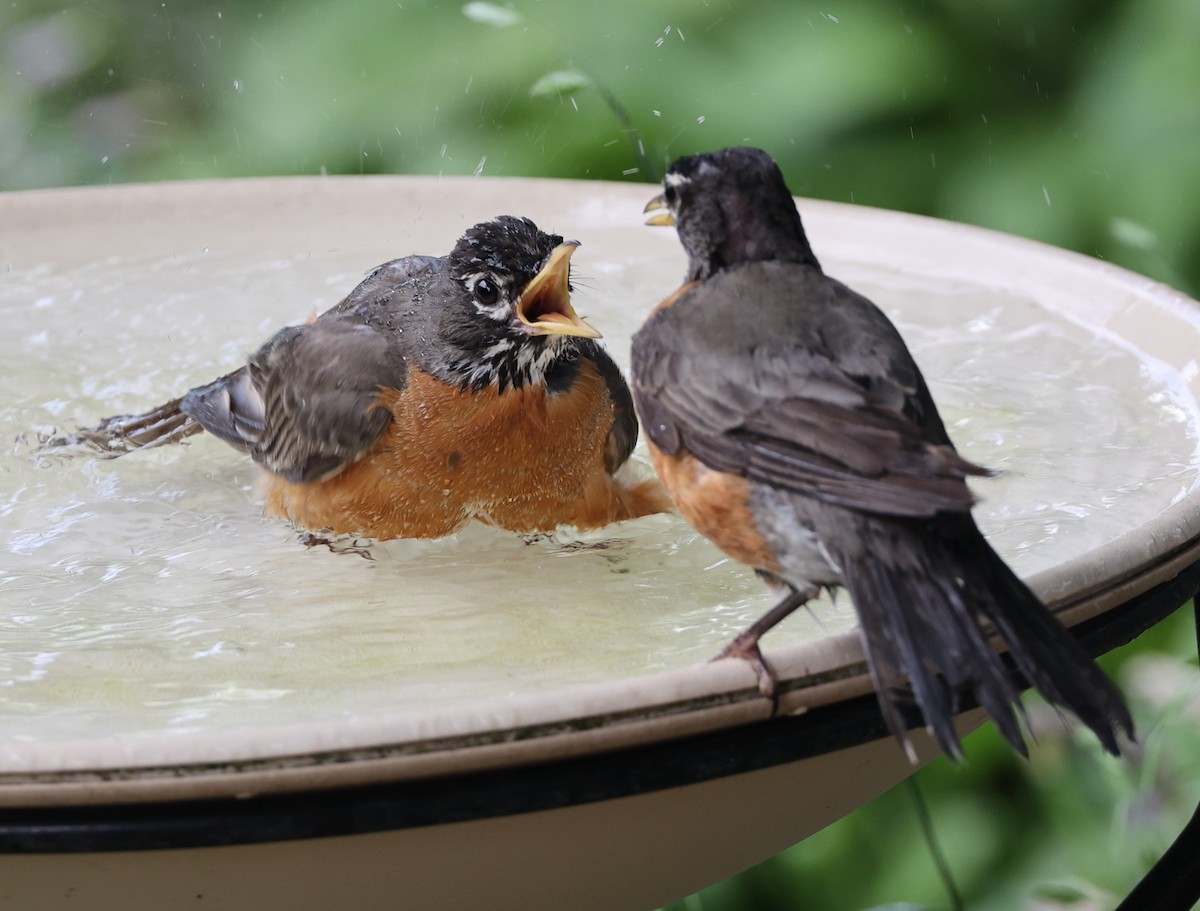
point(747, 649)
point(337, 545)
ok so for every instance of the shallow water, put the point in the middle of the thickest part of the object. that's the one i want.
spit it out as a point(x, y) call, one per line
point(147, 593)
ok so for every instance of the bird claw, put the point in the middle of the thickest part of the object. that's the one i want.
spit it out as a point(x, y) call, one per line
point(344, 544)
point(752, 654)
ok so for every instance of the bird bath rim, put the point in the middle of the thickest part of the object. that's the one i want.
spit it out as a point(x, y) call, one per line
point(591, 719)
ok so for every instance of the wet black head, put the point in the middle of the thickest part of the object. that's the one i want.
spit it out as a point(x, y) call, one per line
point(510, 316)
point(731, 207)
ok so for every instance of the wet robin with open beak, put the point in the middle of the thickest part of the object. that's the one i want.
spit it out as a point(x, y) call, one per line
point(442, 389)
point(792, 427)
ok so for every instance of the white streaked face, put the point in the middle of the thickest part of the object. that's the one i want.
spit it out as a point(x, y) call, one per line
point(492, 295)
point(516, 354)
point(673, 185)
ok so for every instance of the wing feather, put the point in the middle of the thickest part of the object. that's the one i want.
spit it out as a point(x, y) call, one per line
point(820, 397)
point(308, 402)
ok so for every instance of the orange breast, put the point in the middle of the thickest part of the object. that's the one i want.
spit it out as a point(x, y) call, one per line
point(522, 460)
point(716, 504)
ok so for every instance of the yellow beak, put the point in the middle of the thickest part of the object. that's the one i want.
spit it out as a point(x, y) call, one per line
point(545, 305)
point(662, 216)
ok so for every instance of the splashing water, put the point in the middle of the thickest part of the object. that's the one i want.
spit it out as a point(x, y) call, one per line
point(147, 593)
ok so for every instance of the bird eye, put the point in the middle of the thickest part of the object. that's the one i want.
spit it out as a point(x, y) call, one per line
point(485, 292)
point(671, 195)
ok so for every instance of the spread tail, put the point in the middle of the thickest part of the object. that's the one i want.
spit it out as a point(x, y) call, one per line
point(927, 614)
point(125, 433)
point(216, 407)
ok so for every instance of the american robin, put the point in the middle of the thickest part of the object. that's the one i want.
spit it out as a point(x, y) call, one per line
point(792, 427)
point(441, 389)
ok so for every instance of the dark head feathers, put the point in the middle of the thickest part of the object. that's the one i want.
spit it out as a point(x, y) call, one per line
point(733, 206)
point(505, 245)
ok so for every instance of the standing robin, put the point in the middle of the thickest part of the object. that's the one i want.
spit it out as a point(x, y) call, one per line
point(792, 427)
point(441, 389)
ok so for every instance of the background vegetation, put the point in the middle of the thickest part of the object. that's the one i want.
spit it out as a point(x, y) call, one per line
point(1074, 122)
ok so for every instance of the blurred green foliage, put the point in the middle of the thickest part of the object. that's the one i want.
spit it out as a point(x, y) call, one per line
point(1072, 829)
point(1075, 122)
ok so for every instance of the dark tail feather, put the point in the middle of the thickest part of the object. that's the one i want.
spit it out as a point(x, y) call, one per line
point(927, 619)
point(228, 407)
point(1049, 656)
point(124, 433)
point(923, 645)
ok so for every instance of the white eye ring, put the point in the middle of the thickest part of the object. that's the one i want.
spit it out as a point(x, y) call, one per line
point(488, 294)
point(485, 291)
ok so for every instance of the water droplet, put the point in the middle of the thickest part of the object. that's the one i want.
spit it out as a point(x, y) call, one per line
point(700, 119)
point(491, 14)
point(559, 83)
point(1133, 233)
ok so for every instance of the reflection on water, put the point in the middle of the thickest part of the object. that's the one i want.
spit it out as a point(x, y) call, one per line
point(147, 593)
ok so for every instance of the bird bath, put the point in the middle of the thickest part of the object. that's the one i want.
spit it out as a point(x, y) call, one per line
point(193, 702)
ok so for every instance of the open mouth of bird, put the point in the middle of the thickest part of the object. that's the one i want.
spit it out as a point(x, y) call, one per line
point(662, 217)
point(545, 306)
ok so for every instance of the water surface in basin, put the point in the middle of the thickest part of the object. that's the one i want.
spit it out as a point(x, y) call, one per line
point(148, 594)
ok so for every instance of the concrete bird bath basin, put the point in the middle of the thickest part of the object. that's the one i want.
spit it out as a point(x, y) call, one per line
point(196, 708)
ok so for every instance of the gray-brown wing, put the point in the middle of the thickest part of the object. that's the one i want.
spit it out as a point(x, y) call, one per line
point(775, 372)
point(307, 404)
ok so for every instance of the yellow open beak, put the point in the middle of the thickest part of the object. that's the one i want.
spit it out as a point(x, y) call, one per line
point(662, 216)
point(545, 306)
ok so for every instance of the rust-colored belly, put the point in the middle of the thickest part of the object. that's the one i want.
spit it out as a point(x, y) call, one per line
point(716, 504)
point(522, 460)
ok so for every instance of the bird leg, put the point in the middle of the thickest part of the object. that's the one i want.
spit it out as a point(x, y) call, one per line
point(745, 645)
point(337, 544)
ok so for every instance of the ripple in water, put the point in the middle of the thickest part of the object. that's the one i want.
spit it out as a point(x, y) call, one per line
point(148, 594)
